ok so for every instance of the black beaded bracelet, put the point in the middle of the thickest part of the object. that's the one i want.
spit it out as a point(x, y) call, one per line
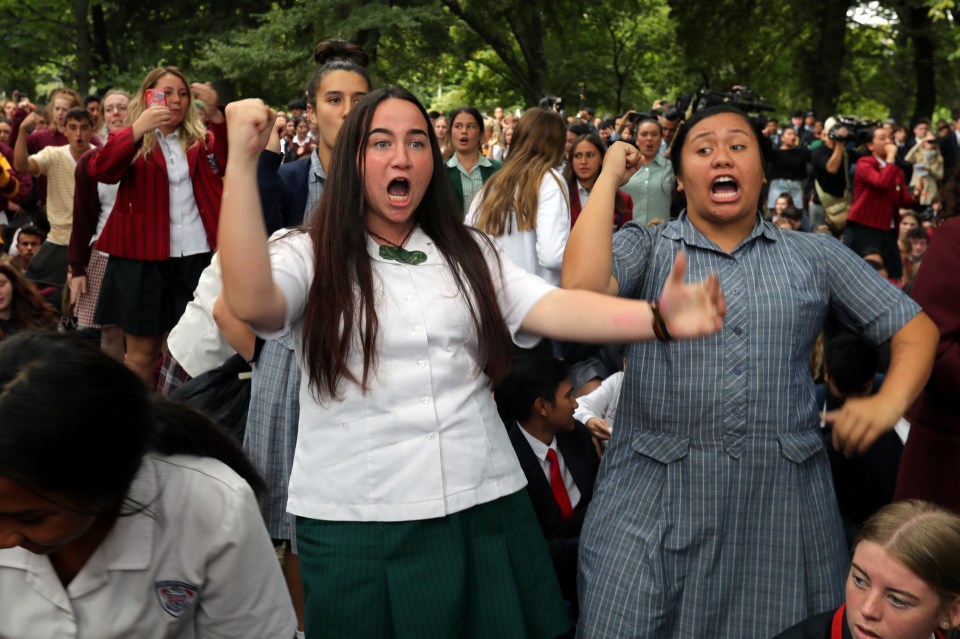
point(659, 326)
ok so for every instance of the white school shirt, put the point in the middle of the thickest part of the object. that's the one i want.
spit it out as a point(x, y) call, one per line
point(107, 194)
point(425, 440)
point(540, 452)
point(187, 235)
point(196, 341)
point(197, 562)
point(602, 402)
point(540, 250)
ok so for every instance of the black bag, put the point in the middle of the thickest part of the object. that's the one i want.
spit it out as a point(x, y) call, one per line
point(223, 394)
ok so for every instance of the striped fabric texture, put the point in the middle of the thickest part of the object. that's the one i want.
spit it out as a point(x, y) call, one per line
point(482, 573)
point(271, 435)
point(714, 512)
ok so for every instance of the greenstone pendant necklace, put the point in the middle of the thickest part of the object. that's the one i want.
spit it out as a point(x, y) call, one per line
point(397, 253)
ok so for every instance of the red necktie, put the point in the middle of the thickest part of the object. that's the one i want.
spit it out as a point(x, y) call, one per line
point(556, 485)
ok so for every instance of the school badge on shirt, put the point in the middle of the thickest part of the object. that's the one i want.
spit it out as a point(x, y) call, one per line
point(175, 597)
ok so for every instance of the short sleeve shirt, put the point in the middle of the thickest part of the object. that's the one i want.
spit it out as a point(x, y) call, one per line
point(425, 440)
point(197, 562)
point(779, 288)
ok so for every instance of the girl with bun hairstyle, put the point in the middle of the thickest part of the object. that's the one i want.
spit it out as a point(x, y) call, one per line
point(163, 227)
point(904, 579)
point(289, 193)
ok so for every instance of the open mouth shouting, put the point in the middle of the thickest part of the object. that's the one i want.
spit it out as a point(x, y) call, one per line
point(724, 188)
point(398, 191)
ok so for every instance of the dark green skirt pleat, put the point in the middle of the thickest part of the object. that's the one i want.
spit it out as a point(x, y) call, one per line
point(483, 572)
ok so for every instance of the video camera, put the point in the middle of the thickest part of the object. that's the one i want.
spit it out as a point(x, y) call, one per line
point(739, 96)
point(855, 126)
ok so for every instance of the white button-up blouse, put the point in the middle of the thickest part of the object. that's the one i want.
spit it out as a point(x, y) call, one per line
point(425, 440)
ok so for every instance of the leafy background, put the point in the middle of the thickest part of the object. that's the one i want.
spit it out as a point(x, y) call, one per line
point(876, 59)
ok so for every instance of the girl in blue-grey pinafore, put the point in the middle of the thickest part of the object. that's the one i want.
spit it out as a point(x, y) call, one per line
point(714, 513)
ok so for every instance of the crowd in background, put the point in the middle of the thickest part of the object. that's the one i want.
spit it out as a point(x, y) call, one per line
point(122, 221)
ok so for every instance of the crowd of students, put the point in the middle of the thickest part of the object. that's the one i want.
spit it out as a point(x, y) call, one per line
point(699, 400)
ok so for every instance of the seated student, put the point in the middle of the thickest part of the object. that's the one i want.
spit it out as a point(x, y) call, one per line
point(28, 241)
point(919, 241)
point(790, 218)
point(121, 516)
point(21, 306)
point(863, 483)
point(904, 580)
point(598, 409)
point(556, 454)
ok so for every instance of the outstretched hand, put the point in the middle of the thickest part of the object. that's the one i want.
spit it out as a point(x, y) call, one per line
point(691, 310)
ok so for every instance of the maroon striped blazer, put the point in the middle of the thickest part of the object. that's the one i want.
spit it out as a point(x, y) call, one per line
point(139, 226)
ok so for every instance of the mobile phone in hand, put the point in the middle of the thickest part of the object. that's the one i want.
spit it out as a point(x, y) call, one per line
point(156, 97)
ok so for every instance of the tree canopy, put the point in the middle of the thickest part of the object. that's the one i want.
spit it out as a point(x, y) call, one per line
point(878, 59)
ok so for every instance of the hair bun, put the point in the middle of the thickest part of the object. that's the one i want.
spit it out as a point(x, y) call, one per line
point(330, 50)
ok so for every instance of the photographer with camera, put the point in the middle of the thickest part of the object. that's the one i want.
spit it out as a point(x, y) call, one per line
point(831, 175)
point(880, 192)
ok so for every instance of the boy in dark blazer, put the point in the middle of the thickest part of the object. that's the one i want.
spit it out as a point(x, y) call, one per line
point(536, 402)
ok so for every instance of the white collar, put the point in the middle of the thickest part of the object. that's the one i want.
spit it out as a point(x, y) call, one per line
point(539, 448)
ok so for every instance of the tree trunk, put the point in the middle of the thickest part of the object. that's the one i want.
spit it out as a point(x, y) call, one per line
point(525, 29)
point(101, 45)
point(80, 11)
point(823, 67)
point(919, 26)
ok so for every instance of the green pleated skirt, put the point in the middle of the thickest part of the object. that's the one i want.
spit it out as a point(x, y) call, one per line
point(483, 572)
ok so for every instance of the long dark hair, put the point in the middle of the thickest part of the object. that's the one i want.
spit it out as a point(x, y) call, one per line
point(510, 198)
point(619, 206)
point(29, 310)
point(74, 420)
point(341, 312)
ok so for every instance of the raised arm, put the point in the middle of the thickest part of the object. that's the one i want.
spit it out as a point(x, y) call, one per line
point(588, 258)
point(688, 311)
point(248, 285)
point(21, 156)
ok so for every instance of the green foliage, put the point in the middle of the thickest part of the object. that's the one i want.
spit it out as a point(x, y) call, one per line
point(610, 55)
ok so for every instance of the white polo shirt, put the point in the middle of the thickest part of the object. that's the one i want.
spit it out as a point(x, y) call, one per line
point(197, 562)
point(196, 341)
point(425, 440)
